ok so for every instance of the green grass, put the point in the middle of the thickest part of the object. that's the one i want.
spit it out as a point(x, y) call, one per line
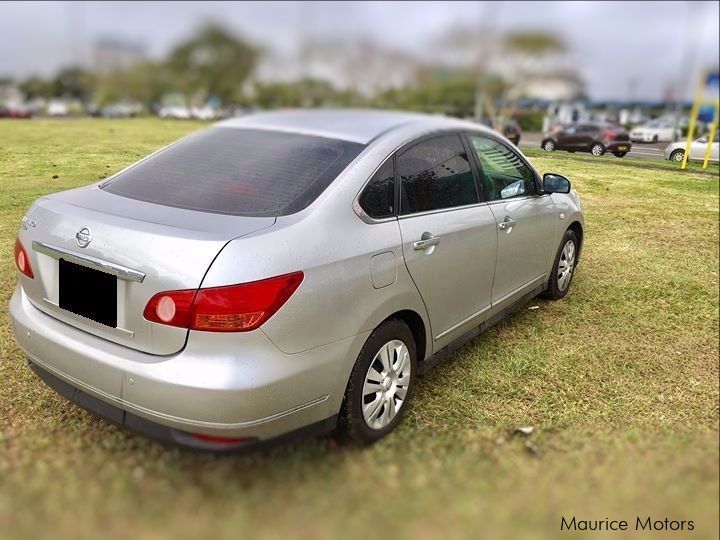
point(620, 381)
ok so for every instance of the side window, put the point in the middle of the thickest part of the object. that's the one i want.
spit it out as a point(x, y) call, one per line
point(504, 174)
point(435, 174)
point(378, 197)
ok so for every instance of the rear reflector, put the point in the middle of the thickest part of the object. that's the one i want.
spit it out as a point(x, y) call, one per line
point(235, 308)
point(219, 440)
point(22, 260)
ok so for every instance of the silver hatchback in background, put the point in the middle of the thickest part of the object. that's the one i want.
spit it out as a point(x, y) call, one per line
point(286, 272)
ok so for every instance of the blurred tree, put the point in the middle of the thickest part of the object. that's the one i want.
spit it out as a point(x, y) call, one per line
point(307, 92)
point(213, 63)
point(435, 91)
point(503, 65)
point(35, 87)
point(74, 82)
point(145, 83)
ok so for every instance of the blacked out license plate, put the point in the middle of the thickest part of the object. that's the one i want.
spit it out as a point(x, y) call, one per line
point(88, 293)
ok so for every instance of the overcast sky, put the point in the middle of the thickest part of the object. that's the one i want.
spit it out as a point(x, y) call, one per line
point(621, 50)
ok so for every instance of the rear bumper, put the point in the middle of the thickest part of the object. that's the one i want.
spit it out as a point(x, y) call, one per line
point(219, 385)
point(165, 434)
point(618, 146)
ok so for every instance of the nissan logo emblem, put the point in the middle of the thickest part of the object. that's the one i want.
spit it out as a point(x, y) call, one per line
point(83, 237)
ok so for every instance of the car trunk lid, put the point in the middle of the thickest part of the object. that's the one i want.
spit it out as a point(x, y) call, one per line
point(145, 248)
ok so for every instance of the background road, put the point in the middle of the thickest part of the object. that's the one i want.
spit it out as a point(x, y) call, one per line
point(644, 151)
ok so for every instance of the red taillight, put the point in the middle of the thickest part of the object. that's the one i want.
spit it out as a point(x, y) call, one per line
point(235, 308)
point(609, 136)
point(22, 260)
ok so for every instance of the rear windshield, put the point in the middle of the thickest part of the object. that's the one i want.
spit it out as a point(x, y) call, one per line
point(238, 171)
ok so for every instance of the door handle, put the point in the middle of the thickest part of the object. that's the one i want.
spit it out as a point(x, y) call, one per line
point(507, 224)
point(427, 240)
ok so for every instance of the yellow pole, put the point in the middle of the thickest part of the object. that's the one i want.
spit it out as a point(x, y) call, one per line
point(693, 121)
point(711, 136)
point(691, 132)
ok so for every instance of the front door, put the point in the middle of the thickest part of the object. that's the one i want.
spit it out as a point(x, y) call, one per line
point(525, 221)
point(449, 237)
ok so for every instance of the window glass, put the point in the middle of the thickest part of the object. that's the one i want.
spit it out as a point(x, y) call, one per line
point(436, 174)
point(378, 197)
point(504, 174)
point(238, 171)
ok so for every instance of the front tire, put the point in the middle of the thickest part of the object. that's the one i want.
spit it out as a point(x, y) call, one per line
point(563, 267)
point(381, 384)
point(549, 146)
point(597, 149)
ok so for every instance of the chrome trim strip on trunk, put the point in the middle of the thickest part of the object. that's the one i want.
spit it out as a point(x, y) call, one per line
point(122, 272)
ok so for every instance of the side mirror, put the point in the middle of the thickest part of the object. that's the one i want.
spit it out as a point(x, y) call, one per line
point(513, 190)
point(555, 183)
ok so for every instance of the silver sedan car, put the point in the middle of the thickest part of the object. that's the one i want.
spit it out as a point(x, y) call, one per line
point(286, 273)
point(698, 147)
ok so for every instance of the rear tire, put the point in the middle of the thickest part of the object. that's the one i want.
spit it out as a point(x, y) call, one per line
point(380, 386)
point(597, 149)
point(563, 267)
point(549, 146)
point(620, 154)
point(677, 155)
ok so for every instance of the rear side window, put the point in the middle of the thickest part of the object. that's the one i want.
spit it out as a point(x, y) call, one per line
point(436, 174)
point(238, 172)
point(378, 197)
point(504, 174)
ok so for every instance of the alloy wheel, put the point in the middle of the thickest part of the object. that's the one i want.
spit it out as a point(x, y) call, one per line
point(386, 384)
point(549, 146)
point(566, 265)
point(597, 150)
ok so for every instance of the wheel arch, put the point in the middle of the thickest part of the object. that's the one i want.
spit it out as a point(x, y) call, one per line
point(577, 228)
point(417, 327)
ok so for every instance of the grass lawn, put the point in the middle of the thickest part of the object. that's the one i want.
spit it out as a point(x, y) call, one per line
point(620, 381)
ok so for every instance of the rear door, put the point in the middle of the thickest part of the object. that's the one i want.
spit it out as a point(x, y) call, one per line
point(449, 236)
point(525, 221)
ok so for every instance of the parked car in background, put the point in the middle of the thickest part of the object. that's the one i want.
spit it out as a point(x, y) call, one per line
point(58, 107)
point(15, 111)
point(655, 132)
point(594, 138)
point(195, 296)
point(176, 111)
point(512, 131)
point(676, 150)
point(122, 109)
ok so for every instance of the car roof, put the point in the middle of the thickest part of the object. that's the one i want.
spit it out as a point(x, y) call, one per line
point(354, 125)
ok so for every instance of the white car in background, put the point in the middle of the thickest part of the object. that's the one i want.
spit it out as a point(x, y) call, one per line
point(176, 112)
point(655, 132)
point(676, 150)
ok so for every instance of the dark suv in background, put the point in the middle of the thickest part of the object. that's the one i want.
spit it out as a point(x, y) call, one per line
point(594, 138)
